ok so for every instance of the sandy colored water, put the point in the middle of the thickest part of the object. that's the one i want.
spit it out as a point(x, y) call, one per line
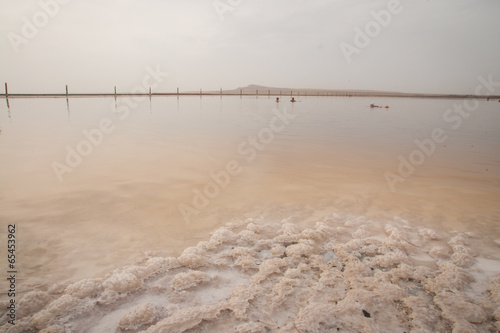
point(123, 199)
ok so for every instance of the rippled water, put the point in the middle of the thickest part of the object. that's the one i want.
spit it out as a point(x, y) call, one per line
point(331, 155)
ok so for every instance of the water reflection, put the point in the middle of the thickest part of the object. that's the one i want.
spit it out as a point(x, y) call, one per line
point(9, 114)
point(67, 108)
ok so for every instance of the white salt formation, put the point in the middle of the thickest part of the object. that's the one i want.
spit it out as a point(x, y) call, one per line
point(343, 274)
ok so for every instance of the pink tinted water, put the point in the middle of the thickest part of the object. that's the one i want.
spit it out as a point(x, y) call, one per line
point(332, 155)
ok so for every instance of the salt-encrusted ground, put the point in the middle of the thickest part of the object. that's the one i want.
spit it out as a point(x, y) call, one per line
point(343, 274)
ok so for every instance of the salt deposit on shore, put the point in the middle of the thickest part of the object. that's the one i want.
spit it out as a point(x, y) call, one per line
point(346, 274)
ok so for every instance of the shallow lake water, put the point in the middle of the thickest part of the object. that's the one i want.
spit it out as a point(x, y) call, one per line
point(161, 174)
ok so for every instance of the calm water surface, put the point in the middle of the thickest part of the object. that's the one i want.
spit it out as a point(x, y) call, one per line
point(330, 155)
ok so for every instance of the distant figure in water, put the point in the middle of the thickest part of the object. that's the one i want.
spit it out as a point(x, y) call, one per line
point(277, 99)
point(293, 100)
point(376, 106)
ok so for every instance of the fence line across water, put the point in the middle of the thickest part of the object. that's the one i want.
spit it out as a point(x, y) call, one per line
point(266, 92)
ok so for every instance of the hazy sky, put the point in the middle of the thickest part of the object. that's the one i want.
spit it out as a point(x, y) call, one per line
point(92, 45)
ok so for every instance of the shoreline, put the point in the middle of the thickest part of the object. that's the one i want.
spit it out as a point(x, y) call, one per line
point(298, 94)
point(344, 272)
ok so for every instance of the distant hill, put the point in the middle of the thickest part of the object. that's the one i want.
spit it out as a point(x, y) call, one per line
point(254, 89)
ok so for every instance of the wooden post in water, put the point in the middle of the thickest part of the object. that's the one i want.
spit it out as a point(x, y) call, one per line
point(257, 92)
point(269, 93)
point(66, 91)
point(241, 92)
point(150, 92)
point(115, 92)
point(177, 92)
point(280, 93)
point(221, 92)
point(7, 97)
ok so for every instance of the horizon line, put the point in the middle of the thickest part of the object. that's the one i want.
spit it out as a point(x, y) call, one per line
point(331, 93)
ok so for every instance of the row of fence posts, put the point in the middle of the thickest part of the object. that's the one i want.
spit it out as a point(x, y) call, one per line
point(178, 93)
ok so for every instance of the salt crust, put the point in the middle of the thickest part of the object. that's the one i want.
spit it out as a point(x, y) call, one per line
point(139, 316)
point(343, 274)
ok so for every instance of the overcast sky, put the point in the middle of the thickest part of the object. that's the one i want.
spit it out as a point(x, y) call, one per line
point(93, 45)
